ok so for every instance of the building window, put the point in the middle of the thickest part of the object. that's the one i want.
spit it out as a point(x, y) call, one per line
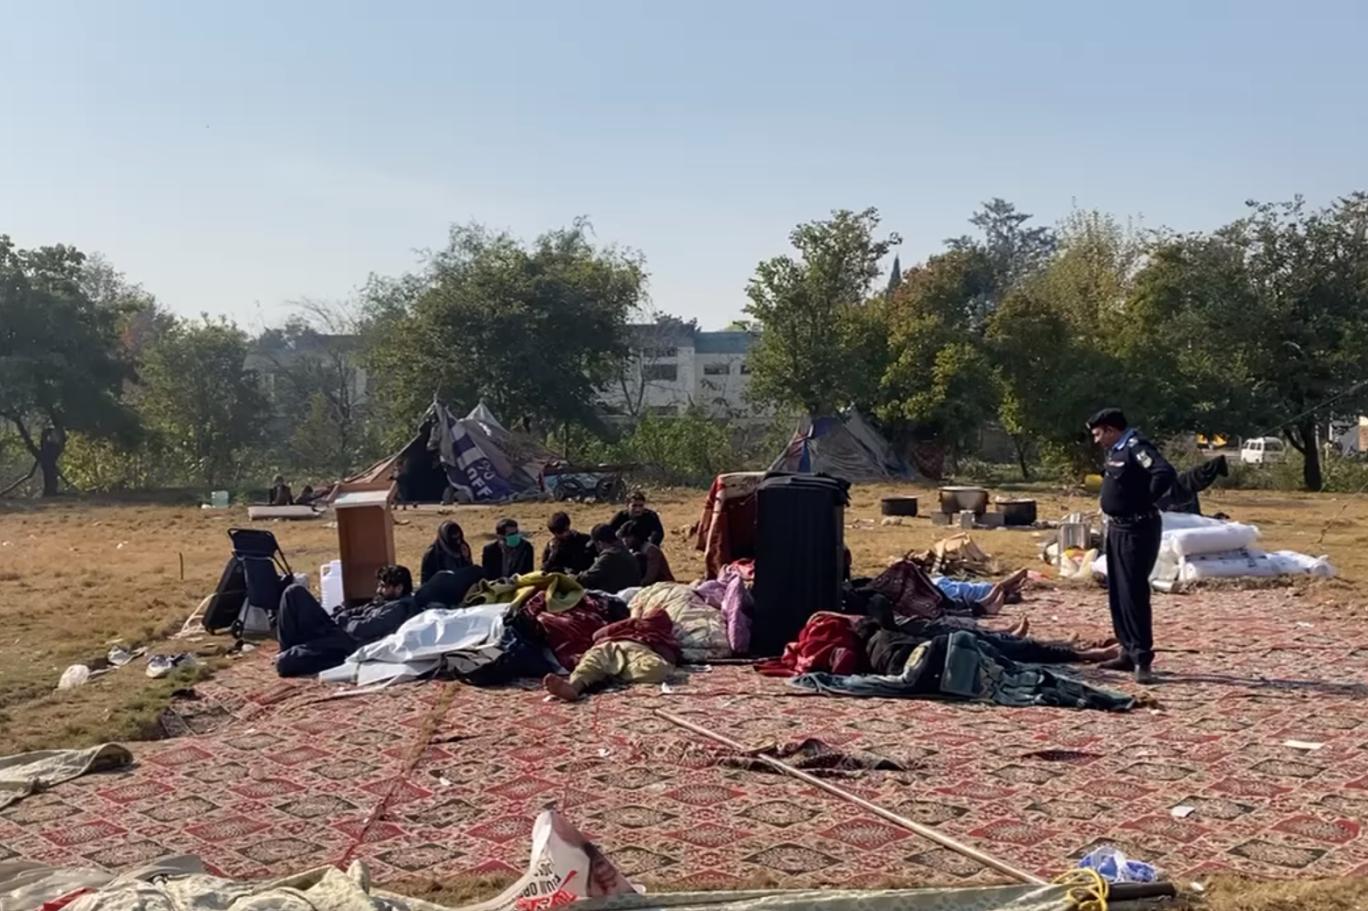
point(745, 369)
point(663, 351)
point(716, 369)
point(660, 372)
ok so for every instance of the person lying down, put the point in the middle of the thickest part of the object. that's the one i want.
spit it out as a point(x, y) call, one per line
point(933, 659)
point(636, 650)
point(983, 599)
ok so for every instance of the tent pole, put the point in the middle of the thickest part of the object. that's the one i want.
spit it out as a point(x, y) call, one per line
point(939, 838)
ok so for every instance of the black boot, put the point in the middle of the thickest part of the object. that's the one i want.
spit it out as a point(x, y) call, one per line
point(1123, 663)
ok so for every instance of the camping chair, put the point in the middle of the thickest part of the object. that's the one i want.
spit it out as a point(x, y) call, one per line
point(247, 596)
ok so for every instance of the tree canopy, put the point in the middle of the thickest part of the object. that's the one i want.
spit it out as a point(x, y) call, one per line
point(62, 368)
point(809, 310)
point(533, 329)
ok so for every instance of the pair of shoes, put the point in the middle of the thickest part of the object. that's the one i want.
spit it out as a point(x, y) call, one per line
point(1144, 676)
point(1118, 664)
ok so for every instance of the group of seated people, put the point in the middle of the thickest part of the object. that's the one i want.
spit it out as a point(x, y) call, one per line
point(621, 554)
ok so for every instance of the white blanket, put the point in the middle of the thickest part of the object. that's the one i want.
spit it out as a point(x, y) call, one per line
point(416, 648)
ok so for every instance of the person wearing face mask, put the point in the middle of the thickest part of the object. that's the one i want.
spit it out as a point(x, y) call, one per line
point(509, 554)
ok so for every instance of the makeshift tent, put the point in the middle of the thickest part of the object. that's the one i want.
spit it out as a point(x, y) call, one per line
point(844, 447)
point(472, 459)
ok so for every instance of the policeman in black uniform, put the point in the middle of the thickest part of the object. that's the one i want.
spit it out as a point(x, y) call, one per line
point(1135, 476)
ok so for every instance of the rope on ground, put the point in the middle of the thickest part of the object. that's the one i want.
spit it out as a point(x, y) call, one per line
point(1086, 888)
point(422, 738)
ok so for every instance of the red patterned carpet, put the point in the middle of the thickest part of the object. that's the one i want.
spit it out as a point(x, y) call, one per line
point(443, 779)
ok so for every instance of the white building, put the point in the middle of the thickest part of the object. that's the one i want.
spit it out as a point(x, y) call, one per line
point(674, 367)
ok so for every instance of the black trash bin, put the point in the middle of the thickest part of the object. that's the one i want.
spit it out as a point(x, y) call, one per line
point(799, 555)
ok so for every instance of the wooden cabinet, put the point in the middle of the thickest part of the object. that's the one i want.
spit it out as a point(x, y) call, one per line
point(365, 536)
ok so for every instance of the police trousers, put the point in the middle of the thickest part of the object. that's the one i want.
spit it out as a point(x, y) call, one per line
point(1132, 548)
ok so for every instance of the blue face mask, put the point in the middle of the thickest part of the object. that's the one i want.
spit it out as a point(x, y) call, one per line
point(513, 540)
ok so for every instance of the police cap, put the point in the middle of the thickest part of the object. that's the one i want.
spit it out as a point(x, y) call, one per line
point(1108, 417)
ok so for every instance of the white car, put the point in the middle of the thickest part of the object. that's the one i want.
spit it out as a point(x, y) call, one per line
point(1262, 451)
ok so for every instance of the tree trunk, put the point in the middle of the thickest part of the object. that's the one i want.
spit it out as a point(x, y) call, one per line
point(47, 461)
point(1311, 455)
point(1021, 444)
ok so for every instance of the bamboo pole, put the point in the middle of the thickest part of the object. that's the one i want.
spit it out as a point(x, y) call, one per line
point(926, 832)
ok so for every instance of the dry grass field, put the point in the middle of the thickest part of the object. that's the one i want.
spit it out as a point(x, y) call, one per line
point(79, 576)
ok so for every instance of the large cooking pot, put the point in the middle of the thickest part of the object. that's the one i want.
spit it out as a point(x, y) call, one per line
point(1017, 511)
point(959, 499)
point(898, 506)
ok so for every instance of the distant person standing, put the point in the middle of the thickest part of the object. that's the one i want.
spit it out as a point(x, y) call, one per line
point(648, 521)
point(279, 494)
point(1134, 478)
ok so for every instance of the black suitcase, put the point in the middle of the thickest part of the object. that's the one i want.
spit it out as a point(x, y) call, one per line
point(799, 555)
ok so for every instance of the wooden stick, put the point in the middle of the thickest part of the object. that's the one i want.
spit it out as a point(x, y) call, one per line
point(939, 838)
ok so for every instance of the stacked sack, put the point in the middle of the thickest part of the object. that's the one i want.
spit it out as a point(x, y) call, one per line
point(1195, 548)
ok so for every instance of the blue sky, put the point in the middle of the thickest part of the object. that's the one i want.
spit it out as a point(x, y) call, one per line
point(234, 158)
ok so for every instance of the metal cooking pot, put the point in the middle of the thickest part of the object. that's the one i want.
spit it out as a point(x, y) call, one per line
point(960, 499)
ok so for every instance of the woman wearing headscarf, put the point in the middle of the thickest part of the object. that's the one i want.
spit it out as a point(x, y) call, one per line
point(449, 552)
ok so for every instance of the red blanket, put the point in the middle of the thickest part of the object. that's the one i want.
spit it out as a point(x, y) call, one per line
point(827, 643)
point(655, 631)
point(569, 634)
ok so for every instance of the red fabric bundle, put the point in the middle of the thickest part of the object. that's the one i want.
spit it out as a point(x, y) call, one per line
point(654, 630)
point(826, 643)
point(569, 634)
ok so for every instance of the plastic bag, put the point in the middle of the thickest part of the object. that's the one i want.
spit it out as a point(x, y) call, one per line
point(1114, 866)
point(73, 676)
point(565, 868)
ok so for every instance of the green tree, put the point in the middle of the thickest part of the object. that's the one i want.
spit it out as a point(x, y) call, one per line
point(61, 365)
point(1056, 335)
point(1013, 251)
point(199, 398)
point(318, 388)
point(534, 330)
point(1269, 317)
point(808, 310)
point(939, 384)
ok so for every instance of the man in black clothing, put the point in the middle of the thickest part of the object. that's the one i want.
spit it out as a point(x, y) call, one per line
point(279, 494)
point(1134, 477)
point(509, 554)
point(1182, 496)
point(615, 568)
point(568, 551)
point(647, 519)
point(311, 641)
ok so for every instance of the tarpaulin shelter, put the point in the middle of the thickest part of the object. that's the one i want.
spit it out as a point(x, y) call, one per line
point(844, 447)
point(473, 459)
